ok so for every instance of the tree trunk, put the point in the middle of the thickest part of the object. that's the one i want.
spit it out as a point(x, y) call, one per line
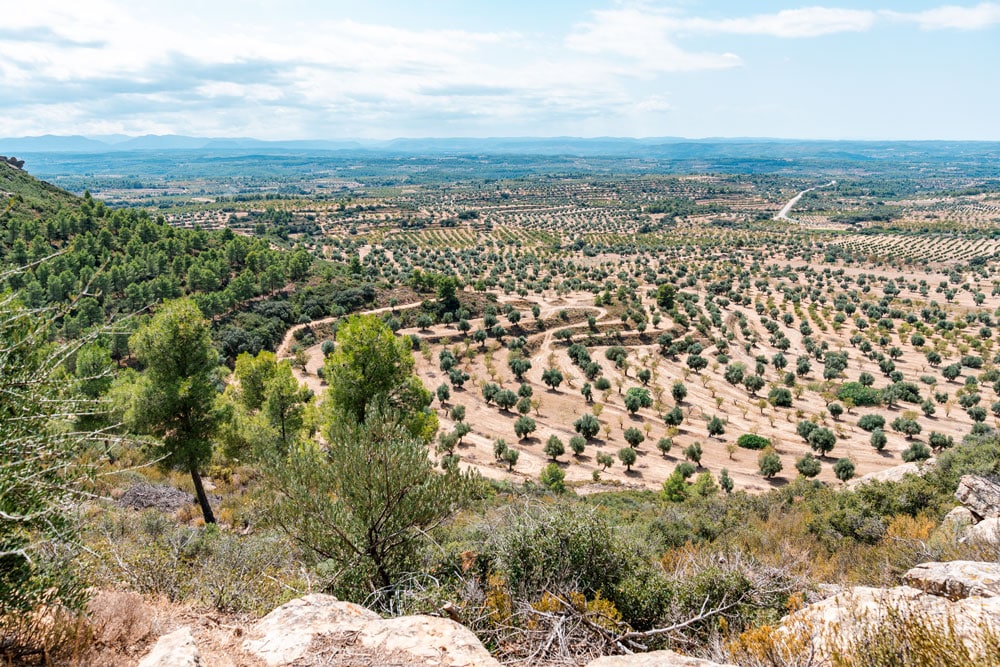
point(206, 508)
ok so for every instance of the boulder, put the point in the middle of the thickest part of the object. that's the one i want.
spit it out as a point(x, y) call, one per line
point(959, 518)
point(986, 532)
point(653, 659)
point(981, 495)
point(956, 580)
point(842, 620)
point(176, 649)
point(303, 631)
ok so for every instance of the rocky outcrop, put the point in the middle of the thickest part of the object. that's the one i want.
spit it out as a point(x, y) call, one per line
point(12, 161)
point(956, 580)
point(302, 631)
point(893, 474)
point(981, 495)
point(959, 518)
point(986, 532)
point(844, 620)
point(176, 649)
point(653, 659)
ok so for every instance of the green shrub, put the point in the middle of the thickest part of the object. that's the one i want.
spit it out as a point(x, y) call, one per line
point(859, 394)
point(752, 441)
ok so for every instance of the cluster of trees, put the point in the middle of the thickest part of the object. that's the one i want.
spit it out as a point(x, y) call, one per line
point(101, 263)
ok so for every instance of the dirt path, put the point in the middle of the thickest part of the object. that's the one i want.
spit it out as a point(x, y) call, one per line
point(285, 349)
point(787, 208)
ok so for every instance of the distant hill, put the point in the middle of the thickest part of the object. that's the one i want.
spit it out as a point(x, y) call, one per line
point(659, 148)
point(167, 142)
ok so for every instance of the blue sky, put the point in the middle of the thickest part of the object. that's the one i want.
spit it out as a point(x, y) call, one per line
point(289, 69)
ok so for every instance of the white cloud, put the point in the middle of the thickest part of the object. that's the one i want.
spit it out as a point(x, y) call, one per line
point(112, 65)
point(645, 38)
point(983, 15)
point(654, 104)
point(805, 22)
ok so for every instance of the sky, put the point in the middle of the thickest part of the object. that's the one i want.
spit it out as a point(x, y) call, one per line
point(381, 69)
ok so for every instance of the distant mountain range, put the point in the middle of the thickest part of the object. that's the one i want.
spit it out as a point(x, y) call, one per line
point(51, 143)
point(653, 146)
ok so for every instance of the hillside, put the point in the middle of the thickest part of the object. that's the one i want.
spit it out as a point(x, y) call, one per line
point(409, 477)
point(24, 197)
point(104, 264)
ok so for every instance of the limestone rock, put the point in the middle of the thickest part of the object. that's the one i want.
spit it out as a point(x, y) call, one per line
point(429, 640)
point(981, 495)
point(893, 474)
point(956, 580)
point(284, 635)
point(653, 659)
point(842, 620)
point(986, 531)
point(304, 630)
point(176, 649)
point(959, 518)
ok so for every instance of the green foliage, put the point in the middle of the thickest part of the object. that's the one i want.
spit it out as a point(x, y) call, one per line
point(822, 440)
point(587, 425)
point(752, 441)
point(38, 475)
point(126, 261)
point(633, 436)
point(780, 397)
point(174, 398)
point(879, 439)
point(627, 456)
point(808, 466)
point(366, 503)
point(725, 481)
point(859, 394)
point(554, 447)
point(372, 364)
point(552, 377)
point(769, 463)
point(553, 478)
point(524, 426)
point(636, 398)
point(917, 451)
point(675, 488)
point(870, 422)
point(843, 469)
point(908, 427)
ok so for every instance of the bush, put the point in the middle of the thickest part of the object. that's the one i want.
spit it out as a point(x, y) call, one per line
point(917, 451)
point(860, 394)
point(553, 478)
point(560, 546)
point(153, 555)
point(870, 422)
point(780, 397)
point(753, 441)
